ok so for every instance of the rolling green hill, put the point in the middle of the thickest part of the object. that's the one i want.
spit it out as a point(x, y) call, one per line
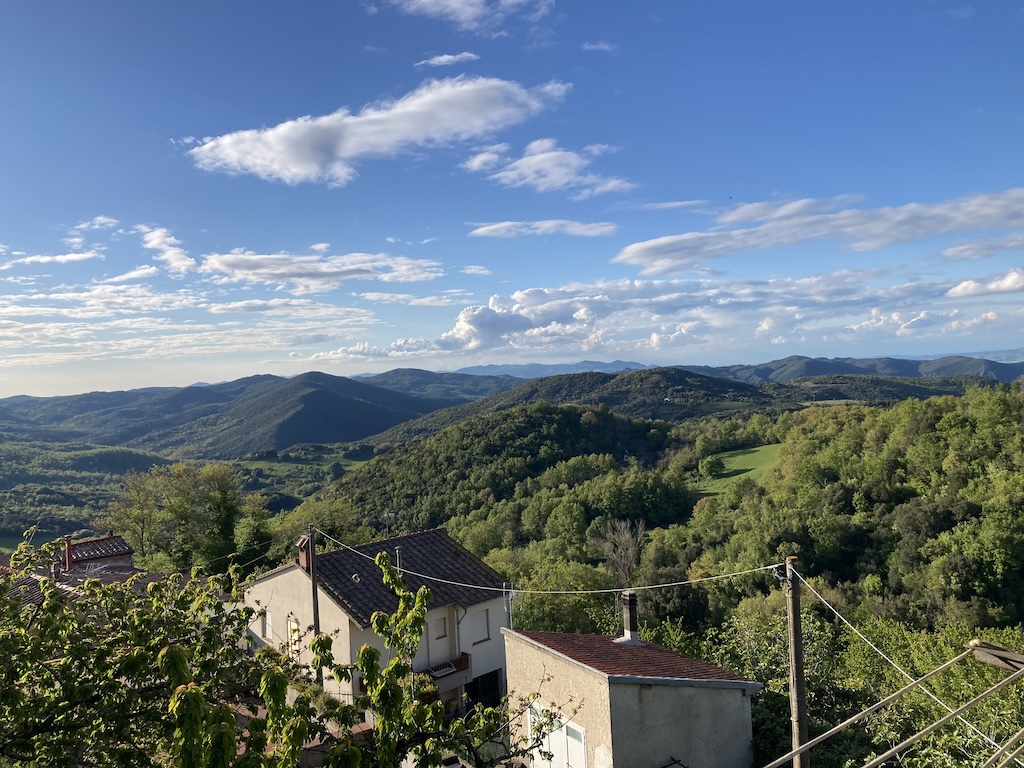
point(225, 421)
point(442, 386)
point(670, 394)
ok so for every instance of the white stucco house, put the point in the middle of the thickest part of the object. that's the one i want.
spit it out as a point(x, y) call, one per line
point(462, 648)
point(628, 703)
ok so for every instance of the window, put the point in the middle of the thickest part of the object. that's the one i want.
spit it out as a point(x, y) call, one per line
point(567, 745)
point(441, 628)
point(294, 636)
point(266, 630)
point(481, 626)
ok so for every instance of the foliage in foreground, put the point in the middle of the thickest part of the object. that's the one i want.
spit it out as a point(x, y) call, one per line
point(162, 675)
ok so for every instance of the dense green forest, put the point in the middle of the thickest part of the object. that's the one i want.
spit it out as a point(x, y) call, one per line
point(906, 518)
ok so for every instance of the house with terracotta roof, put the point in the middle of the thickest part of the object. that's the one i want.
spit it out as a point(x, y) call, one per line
point(110, 551)
point(624, 702)
point(462, 646)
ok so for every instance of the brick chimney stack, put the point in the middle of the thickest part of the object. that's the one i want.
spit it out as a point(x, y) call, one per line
point(303, 546)
point(630, 622)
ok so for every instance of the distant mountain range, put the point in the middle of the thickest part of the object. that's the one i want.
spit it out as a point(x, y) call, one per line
point(790, 368)
point(230, 420)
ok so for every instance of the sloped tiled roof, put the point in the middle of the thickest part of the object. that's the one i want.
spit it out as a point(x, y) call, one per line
point(644, 660)
point(353, 580)
point(96, 549)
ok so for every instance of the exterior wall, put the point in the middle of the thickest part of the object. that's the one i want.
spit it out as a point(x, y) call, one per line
point(487, 655)
point(703, 727)
point(288, 594)
point(580, 695)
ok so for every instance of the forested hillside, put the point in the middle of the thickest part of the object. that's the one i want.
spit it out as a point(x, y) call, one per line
point(908, 519)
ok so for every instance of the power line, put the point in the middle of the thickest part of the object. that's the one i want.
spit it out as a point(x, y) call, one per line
point(896, 666)
point(505, 590)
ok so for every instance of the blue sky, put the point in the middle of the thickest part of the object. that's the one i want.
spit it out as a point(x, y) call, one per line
point(204, 191)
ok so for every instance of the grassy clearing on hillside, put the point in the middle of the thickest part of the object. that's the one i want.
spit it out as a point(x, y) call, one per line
point(752, 463)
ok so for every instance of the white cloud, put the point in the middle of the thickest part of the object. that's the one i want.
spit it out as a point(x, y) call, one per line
point(476, 15)
point(139, 273)
point(320, 247)
point(475, 269)
point(97, 222)
point(315, 274)
point(447, 59)
point(161, 240)
point(409, 300)
point(486, 159)
point(669, 205)
point(545, 167)
point(600, 45)
point(63, 258)
point(548, 227)
point(325, 149)
point(799, 221)
point(981, 249)
point(1011, 282)
point(295, 308)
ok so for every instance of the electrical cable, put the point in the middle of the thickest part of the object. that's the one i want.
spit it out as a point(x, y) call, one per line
point(615, 590)
point(897, 667)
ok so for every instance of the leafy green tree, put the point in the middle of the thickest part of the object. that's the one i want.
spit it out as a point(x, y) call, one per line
point(162, 675)
point(181, 516)
point(711, 467)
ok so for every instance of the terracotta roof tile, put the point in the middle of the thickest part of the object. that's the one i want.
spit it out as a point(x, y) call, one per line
point(96, 549)
point(353, 580)
point(603, 654)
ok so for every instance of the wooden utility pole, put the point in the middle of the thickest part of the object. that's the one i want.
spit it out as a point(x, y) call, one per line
point(311, 543)
point(797, 692)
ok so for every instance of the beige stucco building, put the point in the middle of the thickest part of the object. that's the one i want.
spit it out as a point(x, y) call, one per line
point(631, 704)
point(462, 647)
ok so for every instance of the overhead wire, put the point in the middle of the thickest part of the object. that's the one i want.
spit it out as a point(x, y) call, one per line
point(615, 590)
point(977, 731)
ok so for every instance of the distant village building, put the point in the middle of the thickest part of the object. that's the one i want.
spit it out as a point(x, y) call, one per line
point(629, 703)
point(462, 646)
point(110, 550)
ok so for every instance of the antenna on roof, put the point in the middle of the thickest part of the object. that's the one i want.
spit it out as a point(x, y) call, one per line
point(398, 558)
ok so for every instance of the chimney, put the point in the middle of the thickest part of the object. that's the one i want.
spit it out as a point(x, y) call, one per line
point(630, 624)
point(303, 545)
point(69, 560)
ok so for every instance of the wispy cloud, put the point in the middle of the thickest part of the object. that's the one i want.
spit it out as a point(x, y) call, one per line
point(63, 258)
point(475, 269)
point(325, 149)
point(670, 205)
point(315, 274)
point(447, 59)
point(546, 167)
point(97, 222)
point(600, 45)
point(159, 239)
point(476, 15)
point(864, 229)
point(548, 227)
point(295, 308)
point(139, 273)
point(980, 249)
point(410, 300)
